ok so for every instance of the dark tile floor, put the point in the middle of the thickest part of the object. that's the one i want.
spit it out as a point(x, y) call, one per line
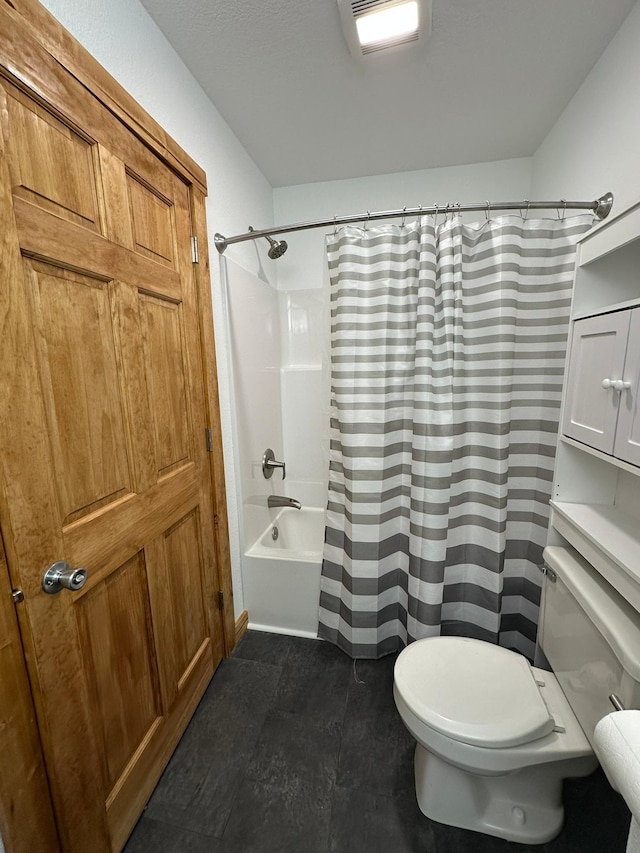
point(291, 752)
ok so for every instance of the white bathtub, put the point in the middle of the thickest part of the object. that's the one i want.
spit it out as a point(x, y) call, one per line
point(281, 577)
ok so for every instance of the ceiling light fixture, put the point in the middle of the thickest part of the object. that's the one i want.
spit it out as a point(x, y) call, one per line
point(373, 25)
point(388, 23)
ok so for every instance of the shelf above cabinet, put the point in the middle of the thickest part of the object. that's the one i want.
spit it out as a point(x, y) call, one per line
point(607, 263)
point(607, 538)
point(598, 454)
point(610, 236)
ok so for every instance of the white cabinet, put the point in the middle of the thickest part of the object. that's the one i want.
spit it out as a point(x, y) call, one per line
point(595, 507)
point(601, 407)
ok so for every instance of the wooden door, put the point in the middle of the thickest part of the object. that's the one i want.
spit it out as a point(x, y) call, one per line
point(104, 459)
point(597, 354)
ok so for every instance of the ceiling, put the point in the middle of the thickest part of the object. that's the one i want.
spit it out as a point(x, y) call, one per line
point(488, 85)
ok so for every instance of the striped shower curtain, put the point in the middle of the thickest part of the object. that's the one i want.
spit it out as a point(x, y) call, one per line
point(447, 357)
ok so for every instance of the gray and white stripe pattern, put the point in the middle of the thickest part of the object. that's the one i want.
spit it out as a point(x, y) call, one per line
point(447, 358)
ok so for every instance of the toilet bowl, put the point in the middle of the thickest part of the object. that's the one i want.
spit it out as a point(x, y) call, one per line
point(495, 736)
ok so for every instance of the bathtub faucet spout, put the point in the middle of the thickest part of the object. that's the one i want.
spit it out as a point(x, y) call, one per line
point(280, 500)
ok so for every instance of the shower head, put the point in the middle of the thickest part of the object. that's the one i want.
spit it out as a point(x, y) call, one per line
point(277, 247)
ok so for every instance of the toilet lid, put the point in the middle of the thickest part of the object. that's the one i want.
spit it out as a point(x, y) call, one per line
point(472, 691)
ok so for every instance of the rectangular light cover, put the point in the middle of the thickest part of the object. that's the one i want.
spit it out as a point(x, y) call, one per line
point(386, 24)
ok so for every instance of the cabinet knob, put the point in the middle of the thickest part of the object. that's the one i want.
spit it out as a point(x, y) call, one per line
point(616, 384)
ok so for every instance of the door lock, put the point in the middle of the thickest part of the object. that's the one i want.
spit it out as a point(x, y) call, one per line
point(60, 575)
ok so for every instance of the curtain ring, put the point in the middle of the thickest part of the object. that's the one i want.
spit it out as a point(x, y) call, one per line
point(487, 212)
point(404, 214)
point(564, 208)
point(526, 214)
point(335, 226)
point(366, 222)
point(435, 216)
point(459, 209)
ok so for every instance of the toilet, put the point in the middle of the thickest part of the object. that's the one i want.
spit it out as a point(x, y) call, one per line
point(495, 736)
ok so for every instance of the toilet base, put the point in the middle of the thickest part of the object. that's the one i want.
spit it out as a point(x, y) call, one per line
point(524, 806)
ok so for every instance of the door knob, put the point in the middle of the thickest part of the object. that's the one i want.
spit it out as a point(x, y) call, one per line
point(60, 575)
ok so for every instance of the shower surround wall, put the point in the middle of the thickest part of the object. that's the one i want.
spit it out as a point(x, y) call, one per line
point(304, 322)
point(281, 586)
point(254, 330)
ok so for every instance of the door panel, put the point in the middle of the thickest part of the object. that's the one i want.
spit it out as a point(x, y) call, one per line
point(166, 367)
point(49, 163)
point(152, 222)
point(177, 600)
point(185, 591)
point(80, 386)
point(108, 467)
point(114, 622)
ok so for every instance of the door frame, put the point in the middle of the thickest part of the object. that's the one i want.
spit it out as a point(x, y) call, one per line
point(41, 71)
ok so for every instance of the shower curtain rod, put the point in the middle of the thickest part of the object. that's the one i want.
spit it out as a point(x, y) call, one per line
point(601, 208)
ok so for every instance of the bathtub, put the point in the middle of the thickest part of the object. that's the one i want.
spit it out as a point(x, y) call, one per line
point(281, 576)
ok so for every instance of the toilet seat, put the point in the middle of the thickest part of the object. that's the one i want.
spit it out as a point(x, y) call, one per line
point(472, 692)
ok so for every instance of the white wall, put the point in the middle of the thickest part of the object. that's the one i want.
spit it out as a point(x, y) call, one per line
point(125, 40)
point(302, 266)
point(304, 290)
point(594, 145)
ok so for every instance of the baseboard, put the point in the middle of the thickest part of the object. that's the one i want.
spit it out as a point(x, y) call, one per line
point(242, 623)
point(289, 632)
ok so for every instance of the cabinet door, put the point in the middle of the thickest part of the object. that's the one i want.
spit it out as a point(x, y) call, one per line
point(627, 443)
point(597, 353)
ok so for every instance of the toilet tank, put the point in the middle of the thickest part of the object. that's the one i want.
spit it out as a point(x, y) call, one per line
point(591, 637)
